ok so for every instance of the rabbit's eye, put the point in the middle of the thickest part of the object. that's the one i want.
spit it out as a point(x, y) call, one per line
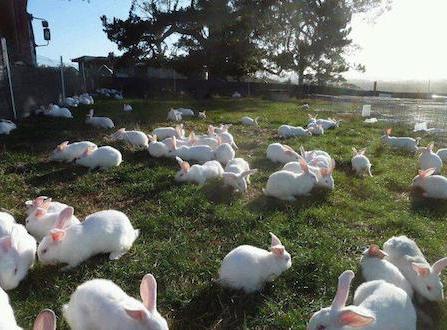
point(321, 327)
point(429, 287)
point(15, 271)
point(44, 251)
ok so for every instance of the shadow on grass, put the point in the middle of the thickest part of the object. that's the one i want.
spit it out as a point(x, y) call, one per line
point(427, 206)
point(216, 192)
point(217, 308)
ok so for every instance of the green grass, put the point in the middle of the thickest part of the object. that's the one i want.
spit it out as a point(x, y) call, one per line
point(187, 229)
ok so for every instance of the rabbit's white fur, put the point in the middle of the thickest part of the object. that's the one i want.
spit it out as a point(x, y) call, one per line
point(44, 202)
point(157, 149)
point(107, 231)
point(286, 185)
point(17, 253)
point(224, 153)
point(174, 115)
point(68, 152)
point(102, 305)
point(185, 112)
point(316, 129)
point(425, 279)
point(360, 163)
point(40, 222)
point(279, 153)
point(310, 155)
point(323, 172)
point(248, 121)
point(198, 173)
point(127, 108)
point(403, 143)
point(167, 132)
point(433, 186)
point(375, 267)
point(100, 122)
point(237, 174)
point(286, 131)
point(442, 153)
point(218, 130)
point(6, 126)
point(206, 140)
point(325, 123)
point(377, 305)
point(429, 159)
point(223, 133)
point(249, 268)
point(134, 138)
point(102, 158)
point(7, 221)
point(7, 319)
point(55, 111)
point(202, 115)
point(200, 154)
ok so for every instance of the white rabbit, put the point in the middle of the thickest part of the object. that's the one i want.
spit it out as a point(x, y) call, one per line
point(224, 152)
point(55, 111)
point(102, 305)
point(279, 153)
point(442, 153)
point(433, 186)
point(325, 123)
point(375, 267)
point(127, 108)
point(46, 320)
point(7, 221)
point(198, 173)
point(236, 95)
point(100, 122)
point(101, 232)
point(425, 279)
point(17, 255)
point(202, 115)
point(71, 102)
point(40, 222)
point(286, 185)
point(218, 130)
point(368, 312)
point(203, 140)
point(223, 133)
point(249, 268)
point(316, 130)
point(197, 153)
point(309, 156)
point(102, 158)
point(429, 159)
point(323, 173)
point(86, 99)
point(66, 152)
point(185, 112)
point(248, 121)
point(237, 174)
point(167, 132)
point(404, 143)
point(286, 131)
point(44, 202)
point(157, 149)
point(7, 319)
point(6, 126)
point(360, 163)
point(134, 138)
point(174, 115)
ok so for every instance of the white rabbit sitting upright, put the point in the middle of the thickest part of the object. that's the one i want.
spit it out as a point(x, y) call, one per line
point(286, 185)
point(279, 153)
point(17, 253)
point(101, 232)
point(404, 143)
point(198, 173)
point(425, 279)
point(248, 121)
point(197, 153)
point(237, 174)
point(368, 311)
point(167, 132)
point(157, 149)
point(40, 222)
point(66, 152)
point(429, 159)
point(136, 139)
point(360, 163)
point(102, 305)
point(249, 268)
point(286, 131)
point(44, 202)
point(102, 158)
point(433, 186)
point(375, 267)
point(100, 122)
point(6, 126)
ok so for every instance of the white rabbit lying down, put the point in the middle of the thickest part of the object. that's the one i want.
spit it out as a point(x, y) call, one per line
point(101, 304)
point(404, 143)
point(433, 186)
point(198, 173)
point(249, 268)
point(134, 138)
point(69, 152)
point(102, 158)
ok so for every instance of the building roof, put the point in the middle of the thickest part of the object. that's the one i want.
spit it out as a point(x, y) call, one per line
point(98, 59)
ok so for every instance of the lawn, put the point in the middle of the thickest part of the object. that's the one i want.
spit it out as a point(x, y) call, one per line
point(186, 230)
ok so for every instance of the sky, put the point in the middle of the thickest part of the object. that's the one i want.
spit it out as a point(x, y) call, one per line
point(405, 43)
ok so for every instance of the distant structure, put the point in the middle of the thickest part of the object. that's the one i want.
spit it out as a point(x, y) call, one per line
point(16, 28)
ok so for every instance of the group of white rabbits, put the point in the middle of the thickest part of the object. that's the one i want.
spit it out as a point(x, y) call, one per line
point(394, 276)
point(178, 114)
point(315, 127)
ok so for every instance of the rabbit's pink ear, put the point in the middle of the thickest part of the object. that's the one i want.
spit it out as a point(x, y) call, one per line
point(40, 213)
point(278, 250)
point(388, 131)
point(275, 240)
point(62, 146)
point(185, 167)
point(304, 165)
point(439, 266)
point(421, 269)
point(148, 292)
point(427, 173)
point(375, 251)
point(46, 320)
point(57, 235)
point(87, 152)
point(325, 171)
point(174, 142)
point(431, 146)
point(39, 201)
point(6, 243)
point(136, 314)
point(355, 318)
point(344, 284)
point(64, 218)
point(46, 203)
point(219, 140)
point(122, 130)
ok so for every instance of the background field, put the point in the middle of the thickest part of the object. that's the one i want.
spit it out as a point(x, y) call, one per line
point(187, 229)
